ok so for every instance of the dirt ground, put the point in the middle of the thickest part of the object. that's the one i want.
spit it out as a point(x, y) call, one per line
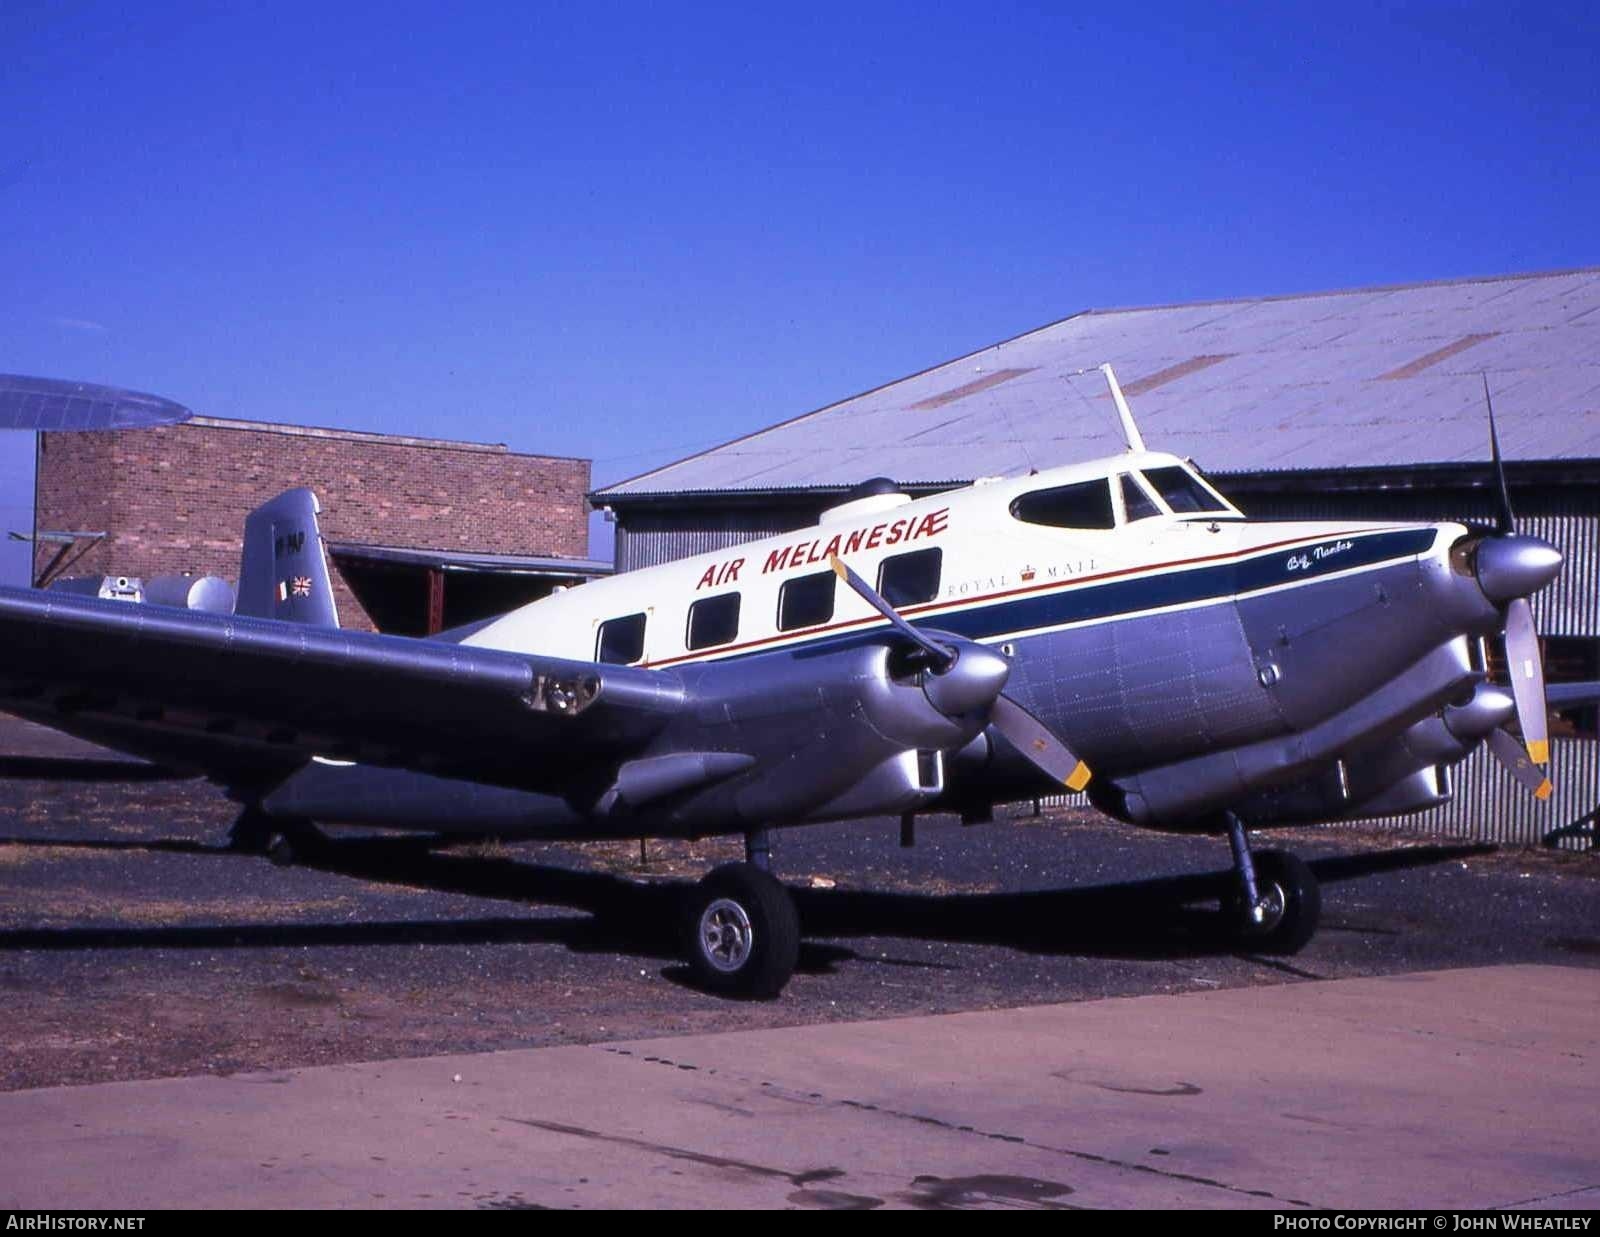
point(135, 944)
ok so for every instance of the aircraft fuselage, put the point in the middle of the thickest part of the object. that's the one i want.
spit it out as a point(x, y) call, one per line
point(1191, 656)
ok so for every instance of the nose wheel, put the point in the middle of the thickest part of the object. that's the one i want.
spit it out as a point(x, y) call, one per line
point(1278, 903)
point(742, 932)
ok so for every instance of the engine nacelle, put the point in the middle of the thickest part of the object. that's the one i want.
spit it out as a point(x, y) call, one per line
point(1443, 739)
point(1406, 773)
point(1189, 793)
point(1328, 797)
point(854, 728)
point(1424, 789)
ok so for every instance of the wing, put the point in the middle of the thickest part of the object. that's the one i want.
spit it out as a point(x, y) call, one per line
point(239, 697)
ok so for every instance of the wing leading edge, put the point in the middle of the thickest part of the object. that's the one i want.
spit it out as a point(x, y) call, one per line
point(235, 696)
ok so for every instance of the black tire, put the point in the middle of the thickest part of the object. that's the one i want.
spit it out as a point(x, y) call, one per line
point(282, 851)
point(1286, 881)
point(252, 833)
point(742, 932)
point(295, 841)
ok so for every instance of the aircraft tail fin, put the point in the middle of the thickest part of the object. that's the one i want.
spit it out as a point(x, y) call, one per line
point(283, 571)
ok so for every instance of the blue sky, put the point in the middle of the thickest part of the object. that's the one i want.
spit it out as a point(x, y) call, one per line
point(630, 231)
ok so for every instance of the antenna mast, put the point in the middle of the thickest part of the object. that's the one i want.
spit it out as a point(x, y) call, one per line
point(1130, 431)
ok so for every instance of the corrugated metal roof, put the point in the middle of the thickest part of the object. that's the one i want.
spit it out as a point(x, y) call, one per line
point(1367, 378)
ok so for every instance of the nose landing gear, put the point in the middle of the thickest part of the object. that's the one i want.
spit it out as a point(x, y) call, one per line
point(1278, 903)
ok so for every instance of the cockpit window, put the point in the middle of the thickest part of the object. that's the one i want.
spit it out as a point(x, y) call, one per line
point(1180, 491)
point(1138, 504)
point(1084, 505)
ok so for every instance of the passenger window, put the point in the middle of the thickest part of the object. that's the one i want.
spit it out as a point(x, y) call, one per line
point(1182, 492)
point(907, 579)
point(621, 641)
point(1084, 505)
point(1138, 504)
point(806, 601)
point(714, 620)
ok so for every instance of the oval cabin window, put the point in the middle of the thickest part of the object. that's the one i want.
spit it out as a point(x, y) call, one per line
point(910, 579)
point(806, 601)
point(621, 641)
point(713, 621)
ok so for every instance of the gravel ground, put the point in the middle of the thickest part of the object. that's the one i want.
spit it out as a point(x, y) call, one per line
point(133, 944)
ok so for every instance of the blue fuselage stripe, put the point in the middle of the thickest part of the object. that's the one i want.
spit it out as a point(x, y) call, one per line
point(1217, 582)
point(1139, 594)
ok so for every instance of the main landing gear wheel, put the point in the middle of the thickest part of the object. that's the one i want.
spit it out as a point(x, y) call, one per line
point(284, 841)
point(1290, 905)
point(743, 932)
point(252, 833)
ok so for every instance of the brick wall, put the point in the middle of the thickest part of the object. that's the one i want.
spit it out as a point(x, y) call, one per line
point(174, 499)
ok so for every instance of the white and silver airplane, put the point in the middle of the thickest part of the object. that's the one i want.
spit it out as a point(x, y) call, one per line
point(1116, 626)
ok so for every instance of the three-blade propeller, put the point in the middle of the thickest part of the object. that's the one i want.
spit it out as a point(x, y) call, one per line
point(1025, 732)
point(1510, 566)
point(1515, 758)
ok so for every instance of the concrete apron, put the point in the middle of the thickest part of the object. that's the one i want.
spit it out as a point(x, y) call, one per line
point(1457, 1089)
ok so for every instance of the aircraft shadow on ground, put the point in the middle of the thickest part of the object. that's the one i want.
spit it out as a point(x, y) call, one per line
point(85, 769)
point(1162, 917)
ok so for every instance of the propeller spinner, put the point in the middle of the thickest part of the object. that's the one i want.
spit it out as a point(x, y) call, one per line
point(952, 693)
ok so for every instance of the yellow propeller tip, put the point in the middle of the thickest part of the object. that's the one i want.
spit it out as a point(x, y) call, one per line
point(1079, 777)
point(1539, 752)
point(1544, 790)
point(837, 564)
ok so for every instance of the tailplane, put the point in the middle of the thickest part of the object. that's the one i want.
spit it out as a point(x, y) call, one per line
point(283, 572)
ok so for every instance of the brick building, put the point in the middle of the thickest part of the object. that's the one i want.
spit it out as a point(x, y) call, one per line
point(423, 533)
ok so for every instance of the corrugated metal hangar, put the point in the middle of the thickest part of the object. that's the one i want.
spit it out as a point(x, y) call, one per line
point(1363, 404)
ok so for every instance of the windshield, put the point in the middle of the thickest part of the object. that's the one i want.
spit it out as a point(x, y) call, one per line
point(1180, 491)
point(1137, 504)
